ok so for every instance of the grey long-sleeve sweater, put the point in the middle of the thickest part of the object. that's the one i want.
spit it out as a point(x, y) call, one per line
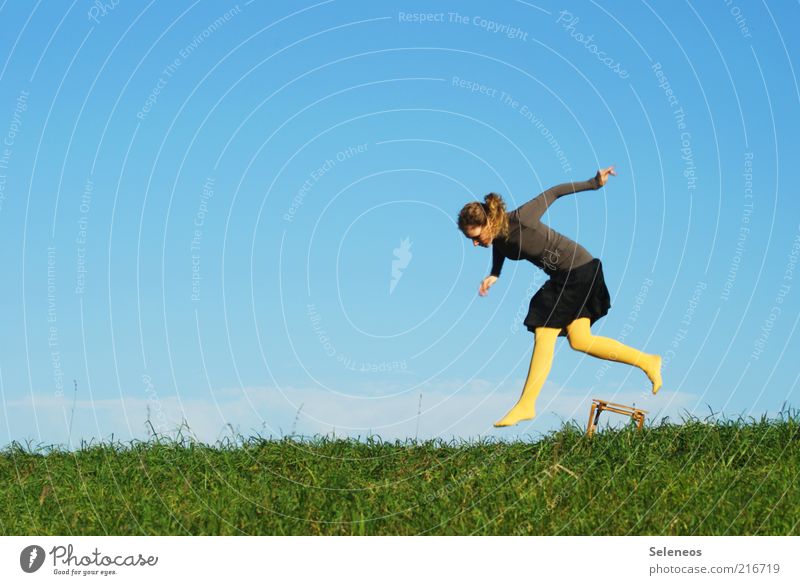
point(530, 239)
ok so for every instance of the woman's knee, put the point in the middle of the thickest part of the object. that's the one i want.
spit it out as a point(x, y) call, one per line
point(580, 342)
point(580, 336)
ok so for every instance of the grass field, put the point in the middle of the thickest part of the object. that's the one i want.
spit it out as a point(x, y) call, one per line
point(702, 478)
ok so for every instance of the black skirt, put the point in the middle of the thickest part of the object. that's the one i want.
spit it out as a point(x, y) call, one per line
point(568, 295)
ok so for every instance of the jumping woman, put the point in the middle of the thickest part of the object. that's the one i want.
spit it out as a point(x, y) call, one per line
point(572, 299)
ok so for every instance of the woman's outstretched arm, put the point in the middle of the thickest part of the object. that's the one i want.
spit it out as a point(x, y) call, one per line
point(497, 260)
point(497, 265)
point(533, 210)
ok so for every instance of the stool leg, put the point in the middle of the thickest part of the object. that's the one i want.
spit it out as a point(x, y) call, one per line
point(597, 417)
point(590, 427)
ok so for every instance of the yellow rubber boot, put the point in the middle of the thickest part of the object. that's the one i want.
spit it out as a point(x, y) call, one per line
point(541, 361)
point(581, 339)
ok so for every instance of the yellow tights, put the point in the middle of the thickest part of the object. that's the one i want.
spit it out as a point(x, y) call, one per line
point(581, 339)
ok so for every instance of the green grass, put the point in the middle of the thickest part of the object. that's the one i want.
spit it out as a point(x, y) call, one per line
point(710, 478)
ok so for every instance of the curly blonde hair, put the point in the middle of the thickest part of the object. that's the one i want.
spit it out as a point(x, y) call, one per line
point(477, 214)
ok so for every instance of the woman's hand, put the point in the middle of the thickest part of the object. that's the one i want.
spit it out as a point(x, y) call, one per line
point(602, 175)
point(485, 284)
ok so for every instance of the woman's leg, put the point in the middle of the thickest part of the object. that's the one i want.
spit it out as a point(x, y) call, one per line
point(581, 339)
point(544, 345)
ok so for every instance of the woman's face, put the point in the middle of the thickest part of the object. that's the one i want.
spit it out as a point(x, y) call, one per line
point(480, 235)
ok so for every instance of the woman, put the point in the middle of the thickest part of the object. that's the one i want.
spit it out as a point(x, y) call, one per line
point(572, 299)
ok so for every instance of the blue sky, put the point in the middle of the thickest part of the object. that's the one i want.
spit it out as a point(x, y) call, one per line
point(243, 215)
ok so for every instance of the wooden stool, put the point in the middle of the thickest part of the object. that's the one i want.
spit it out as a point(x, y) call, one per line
point(599, 406)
